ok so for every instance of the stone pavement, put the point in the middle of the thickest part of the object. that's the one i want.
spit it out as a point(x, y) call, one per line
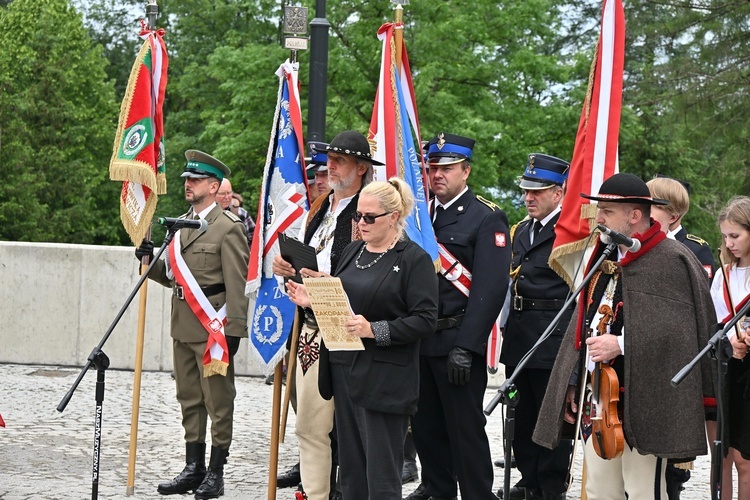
point(47, 455)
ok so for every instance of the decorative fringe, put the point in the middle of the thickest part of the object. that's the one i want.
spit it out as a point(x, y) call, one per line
point(138, 231)
point(161, 184)
point(437, 265)
point(563, 252)
point(215, 367)
point(134, 171)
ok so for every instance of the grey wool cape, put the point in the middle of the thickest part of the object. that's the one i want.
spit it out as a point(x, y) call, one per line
point(669, 318)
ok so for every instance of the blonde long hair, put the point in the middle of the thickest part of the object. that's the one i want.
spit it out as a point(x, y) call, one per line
point(736, 211)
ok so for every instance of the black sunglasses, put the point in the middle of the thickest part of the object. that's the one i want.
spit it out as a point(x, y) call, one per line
point(369, 219)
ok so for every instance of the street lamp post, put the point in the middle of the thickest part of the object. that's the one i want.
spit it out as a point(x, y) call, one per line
point(317, 97)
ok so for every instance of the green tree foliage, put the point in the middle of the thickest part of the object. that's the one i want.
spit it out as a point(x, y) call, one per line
point(56, 114)
point(510, 74)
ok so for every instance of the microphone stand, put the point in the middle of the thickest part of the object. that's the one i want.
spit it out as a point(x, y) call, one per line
point(100, 361)
point(508, 395)
point(720, 350)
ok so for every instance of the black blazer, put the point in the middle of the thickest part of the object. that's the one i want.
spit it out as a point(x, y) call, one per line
point(386, 379)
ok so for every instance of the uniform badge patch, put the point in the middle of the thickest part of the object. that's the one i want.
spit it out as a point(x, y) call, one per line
point(709, 270)
point(499, 239)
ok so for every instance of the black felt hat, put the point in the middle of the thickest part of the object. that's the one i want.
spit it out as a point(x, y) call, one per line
point(543, 171)
point(353, 143)
point(625, 188)
point(445, 149)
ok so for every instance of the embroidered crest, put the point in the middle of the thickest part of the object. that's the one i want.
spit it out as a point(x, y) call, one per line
point(308, 350)
point(276, 335)
point(135, 140)
point(499, 239)
point(215, 325)
point(709, 270)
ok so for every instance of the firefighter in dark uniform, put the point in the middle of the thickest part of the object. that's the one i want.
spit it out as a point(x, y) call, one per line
point(448, 427)
point(536, 295)
point(677, 193)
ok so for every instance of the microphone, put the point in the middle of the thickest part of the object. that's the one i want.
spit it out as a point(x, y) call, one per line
point(631, 244)
point(178, 223)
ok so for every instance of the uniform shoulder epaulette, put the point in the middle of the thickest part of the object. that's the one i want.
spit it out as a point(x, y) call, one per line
point(492, 206)
point(515, 226)
point(232, 216)
point(696, 239)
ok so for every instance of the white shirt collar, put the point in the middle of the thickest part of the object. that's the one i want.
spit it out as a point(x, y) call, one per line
point(446, 205)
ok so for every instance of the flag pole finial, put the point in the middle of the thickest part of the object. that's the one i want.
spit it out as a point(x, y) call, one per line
point(152, 12)
point(398, 29)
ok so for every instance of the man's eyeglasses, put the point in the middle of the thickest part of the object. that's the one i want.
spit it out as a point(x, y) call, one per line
point(223, 194)
point(369, 219)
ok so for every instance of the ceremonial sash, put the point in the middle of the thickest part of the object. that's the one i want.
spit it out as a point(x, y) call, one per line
point(216, 356)
point(460, 277)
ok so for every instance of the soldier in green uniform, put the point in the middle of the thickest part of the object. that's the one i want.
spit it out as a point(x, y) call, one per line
point(206, 270)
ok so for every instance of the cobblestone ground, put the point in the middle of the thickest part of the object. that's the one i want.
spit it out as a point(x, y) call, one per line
point(47, 455)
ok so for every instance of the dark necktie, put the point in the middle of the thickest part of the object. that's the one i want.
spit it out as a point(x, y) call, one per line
point(439, 212)
point(535, 228)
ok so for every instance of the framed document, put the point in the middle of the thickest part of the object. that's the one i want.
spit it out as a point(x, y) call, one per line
point(297, 254)
point(331, 307)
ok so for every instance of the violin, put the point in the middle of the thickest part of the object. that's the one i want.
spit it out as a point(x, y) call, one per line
point(609, 439)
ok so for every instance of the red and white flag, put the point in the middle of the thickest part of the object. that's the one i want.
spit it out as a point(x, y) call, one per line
point(595, 151)
point(138, 156)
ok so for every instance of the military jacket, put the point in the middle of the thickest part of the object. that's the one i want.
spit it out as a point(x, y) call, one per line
point(217, 256)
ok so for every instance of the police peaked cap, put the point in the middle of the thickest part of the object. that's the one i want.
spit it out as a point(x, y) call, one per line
point(201, 165)
point(625, 188)
point(445, 149)
point(352, 143)
point(543, 171)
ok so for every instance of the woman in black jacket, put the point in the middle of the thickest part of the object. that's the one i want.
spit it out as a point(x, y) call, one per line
point(392, 288)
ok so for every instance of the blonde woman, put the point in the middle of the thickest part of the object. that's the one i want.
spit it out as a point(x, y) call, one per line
point(392, 288)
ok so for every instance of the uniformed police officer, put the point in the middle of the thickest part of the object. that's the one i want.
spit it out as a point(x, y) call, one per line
point(448, 427)
point(536, 296)
point(317, 169)
point(217, 260)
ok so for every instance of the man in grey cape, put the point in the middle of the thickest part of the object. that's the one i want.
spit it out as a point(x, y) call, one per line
point(660, 316)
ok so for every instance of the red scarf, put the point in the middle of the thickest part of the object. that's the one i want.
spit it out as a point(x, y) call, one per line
point(652, 237)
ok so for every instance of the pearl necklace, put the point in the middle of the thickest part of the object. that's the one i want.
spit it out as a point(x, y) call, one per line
point(367, 266)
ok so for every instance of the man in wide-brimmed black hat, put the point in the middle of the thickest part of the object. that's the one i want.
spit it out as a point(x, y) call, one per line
point(650, 312)
point(329, 229)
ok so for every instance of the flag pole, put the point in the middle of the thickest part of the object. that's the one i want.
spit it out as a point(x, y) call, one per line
point(289, 374)
point(273, 462)
point(398, 33)
point(152, 11)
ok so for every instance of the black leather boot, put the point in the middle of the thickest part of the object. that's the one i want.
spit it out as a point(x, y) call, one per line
point(192, 475)
point(213, 484)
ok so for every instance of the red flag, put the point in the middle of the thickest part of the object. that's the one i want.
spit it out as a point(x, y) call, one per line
point(595, 151)
point(2, 422)
point(138, 155)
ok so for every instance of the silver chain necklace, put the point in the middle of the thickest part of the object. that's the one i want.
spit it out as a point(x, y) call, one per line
point(367, 266)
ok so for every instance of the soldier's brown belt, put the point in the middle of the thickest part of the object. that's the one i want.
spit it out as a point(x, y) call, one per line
point(449, 322)
point(526, 304)
point(208, 290)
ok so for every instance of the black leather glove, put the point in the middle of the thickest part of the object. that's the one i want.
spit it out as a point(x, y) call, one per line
point(146, 249)
point(459, 365)
point(233, 343)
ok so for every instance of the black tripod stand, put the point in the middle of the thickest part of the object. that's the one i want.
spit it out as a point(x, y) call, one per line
point(720, 350)
point(100, 361)
point(508, 393)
